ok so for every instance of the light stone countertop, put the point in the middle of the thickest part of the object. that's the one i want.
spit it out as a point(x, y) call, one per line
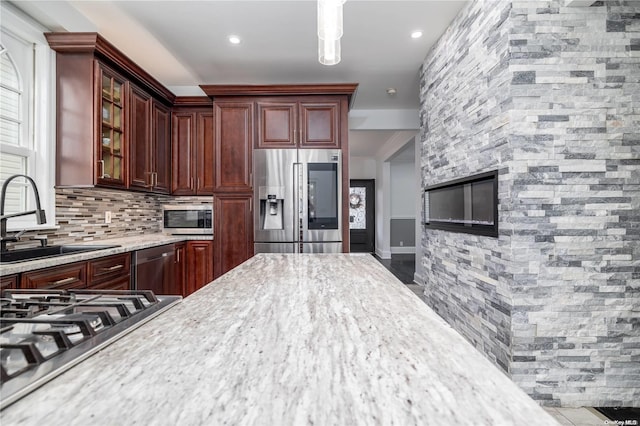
point(281, 340)
point(137, 242)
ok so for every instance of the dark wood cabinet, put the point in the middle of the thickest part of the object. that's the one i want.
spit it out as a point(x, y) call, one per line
point(233, 143)
point(200, 270)
point(111, 151)
point(9, 281)
point(192, 152)
point(183, 153)
point(276, 124)
point(233, 231)
point(72, 275)
point(121, 283)
point(91, 147)
point(205, 166)
point(160, 153)
point(193, 266)
point(104, 273)
point(320, 124)
point(110, 273)
point(139, 139)
point(310, 123)
point(150, 146)
point(110, 116)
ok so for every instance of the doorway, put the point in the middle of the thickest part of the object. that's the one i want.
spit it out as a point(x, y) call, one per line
point(362, 215)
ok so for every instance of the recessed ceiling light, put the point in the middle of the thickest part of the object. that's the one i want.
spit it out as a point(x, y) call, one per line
point(416, 34)
point(233, 39)
point(391, 91)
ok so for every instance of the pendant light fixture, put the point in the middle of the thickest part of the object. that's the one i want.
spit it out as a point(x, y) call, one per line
point(329, 31)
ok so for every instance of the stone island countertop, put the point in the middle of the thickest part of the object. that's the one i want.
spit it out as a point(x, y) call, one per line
point(287, 339)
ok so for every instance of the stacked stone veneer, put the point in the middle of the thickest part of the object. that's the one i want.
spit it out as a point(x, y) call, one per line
point(80, 215)
point(550, 96)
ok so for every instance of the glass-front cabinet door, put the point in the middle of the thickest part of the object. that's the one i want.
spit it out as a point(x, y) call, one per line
point(111, 165)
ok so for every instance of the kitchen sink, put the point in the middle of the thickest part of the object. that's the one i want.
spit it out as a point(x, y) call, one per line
point(23, 255)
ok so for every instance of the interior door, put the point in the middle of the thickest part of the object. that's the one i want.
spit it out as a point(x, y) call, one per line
point(362, 215)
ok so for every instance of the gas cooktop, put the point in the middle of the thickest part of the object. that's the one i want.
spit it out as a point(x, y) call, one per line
point(45, 332)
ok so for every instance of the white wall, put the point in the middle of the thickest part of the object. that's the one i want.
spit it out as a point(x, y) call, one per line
point(403, 201)
point(362, 168)
point(383, 209)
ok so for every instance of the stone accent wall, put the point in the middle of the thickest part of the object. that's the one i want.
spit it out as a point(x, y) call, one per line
point(464, 117)
point(567, 263)
point(80, 215)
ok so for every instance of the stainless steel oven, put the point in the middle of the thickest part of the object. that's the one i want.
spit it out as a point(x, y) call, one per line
point(186, 219)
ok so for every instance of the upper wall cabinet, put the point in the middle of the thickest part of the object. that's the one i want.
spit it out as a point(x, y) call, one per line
point(233, 136)
point(320, 124)
point(111, 154)
point(160, 154)
point(112, 117)
point(139, 139)
point(149, 143)
point(311, 123)
point(294, 116)
point(192, 170)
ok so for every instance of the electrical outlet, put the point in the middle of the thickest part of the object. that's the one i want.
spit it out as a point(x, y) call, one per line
point(401, 243)
point(107, 217)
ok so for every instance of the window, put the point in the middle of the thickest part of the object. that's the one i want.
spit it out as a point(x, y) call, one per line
point(27, 135)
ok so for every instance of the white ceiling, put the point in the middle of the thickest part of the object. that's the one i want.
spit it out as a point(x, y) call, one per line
point(184, 43)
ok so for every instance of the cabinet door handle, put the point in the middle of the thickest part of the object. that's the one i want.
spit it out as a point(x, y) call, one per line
point(155, 178)
point(178, 256)
point(198, 183)
point(150, 175)
point(113, 268)
point(192, 183)
point(63, 281)
point(101, 168)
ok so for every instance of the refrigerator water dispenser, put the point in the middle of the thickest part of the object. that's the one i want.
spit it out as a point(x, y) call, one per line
point(271, 207)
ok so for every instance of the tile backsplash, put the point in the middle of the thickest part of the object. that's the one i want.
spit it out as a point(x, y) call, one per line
point(80, 215)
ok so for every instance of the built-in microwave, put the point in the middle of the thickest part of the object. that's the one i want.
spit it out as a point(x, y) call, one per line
point(187, 219)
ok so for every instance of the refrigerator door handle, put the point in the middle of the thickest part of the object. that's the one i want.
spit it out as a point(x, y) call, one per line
point(297, 205)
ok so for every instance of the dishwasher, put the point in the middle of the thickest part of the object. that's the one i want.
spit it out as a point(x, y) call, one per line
point(154, 269)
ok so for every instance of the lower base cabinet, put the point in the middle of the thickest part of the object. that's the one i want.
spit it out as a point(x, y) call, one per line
point(175, 269)
point(199, 262)
point(233, 230)
point(105, 273)
point(9, 281)
point(110, 273)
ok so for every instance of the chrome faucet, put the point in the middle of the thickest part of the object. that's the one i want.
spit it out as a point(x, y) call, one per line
point(40, 215)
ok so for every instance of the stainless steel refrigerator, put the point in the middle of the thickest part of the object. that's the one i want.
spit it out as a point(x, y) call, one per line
point(297, 194)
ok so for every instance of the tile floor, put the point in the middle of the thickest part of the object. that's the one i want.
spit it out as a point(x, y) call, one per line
point(583, 416)
point(403, 267)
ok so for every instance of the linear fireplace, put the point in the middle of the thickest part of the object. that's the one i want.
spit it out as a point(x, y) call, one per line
point(464, 205)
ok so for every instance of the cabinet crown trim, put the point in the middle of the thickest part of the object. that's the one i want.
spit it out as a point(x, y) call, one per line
point(94, 43)
point(348, 89)
point(193, 101)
